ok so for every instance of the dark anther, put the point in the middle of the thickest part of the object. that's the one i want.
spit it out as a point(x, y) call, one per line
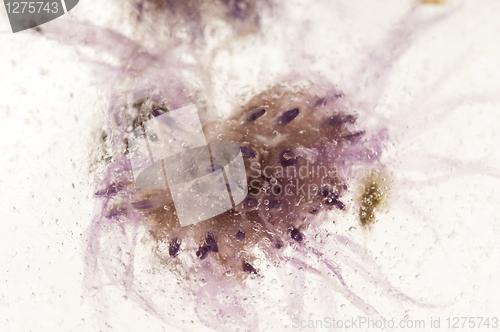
point(274, 204)
point(340, 119)
point(240, 235)
point(250, 203)
point(327, 192)
point(239, 9)
point(288, 116)
point(112, 190)
point(174, 246)
point(211, 244)
point(254, 114)
point(117, 211)
point(314, 211)
point(339, 205)
point(296, 235)
point(143, 205)
point(158, 111)
point(332, 198)
point(248, 152)
point(332, 201)
point(138, 104)
point(324, 100)
point(276, 241)
point(202, 253)
point(248, 268)
point(285, 160)
point(321, 101)
point(354, 136)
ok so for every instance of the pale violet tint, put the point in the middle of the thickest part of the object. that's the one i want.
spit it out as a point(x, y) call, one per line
point(170, 151)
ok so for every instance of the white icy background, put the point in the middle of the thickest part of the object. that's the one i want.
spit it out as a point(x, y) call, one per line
point(46, 135)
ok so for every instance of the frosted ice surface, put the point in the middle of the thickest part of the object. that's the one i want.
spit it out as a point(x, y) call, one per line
point(84, 249)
